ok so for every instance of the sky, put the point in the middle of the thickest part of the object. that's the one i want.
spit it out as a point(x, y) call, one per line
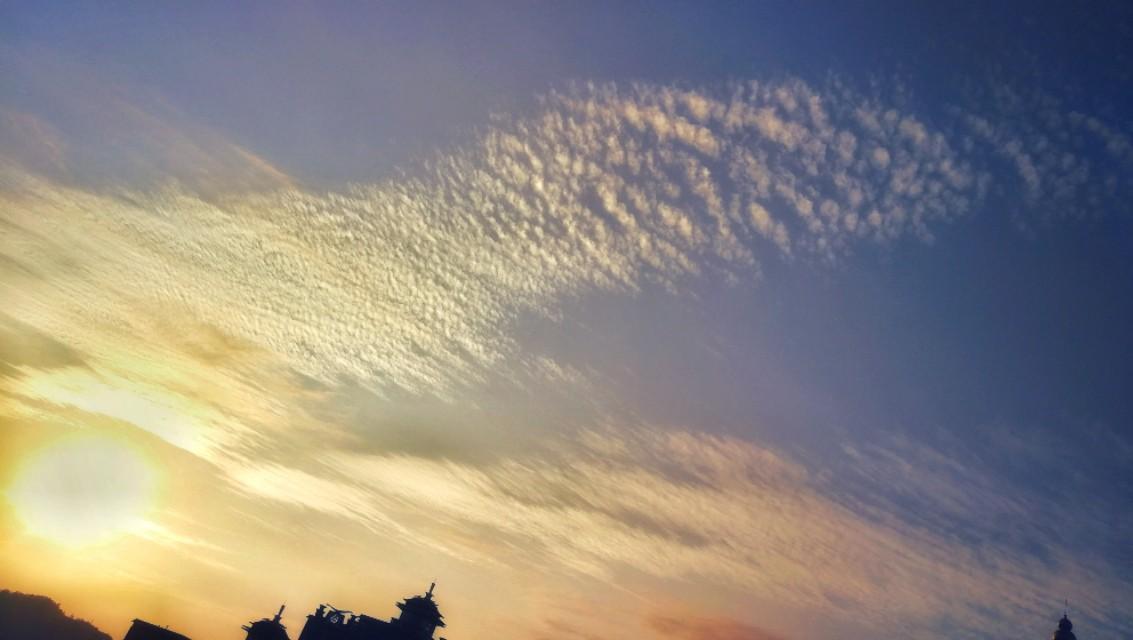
point(677, 321)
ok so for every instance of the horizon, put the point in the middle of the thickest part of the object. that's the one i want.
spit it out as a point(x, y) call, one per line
point(666, 320)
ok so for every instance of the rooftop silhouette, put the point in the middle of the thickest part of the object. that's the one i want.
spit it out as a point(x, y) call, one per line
point(420, 618)
point(31, 617)
point(142, 630)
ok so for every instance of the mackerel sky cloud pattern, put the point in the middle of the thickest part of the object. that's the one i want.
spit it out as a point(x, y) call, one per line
point(603, 190)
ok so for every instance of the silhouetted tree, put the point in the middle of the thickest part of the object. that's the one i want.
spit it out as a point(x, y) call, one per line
point(29, 617)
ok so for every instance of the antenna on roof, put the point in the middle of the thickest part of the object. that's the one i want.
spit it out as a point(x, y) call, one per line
point(429, 593)
point(280, 614)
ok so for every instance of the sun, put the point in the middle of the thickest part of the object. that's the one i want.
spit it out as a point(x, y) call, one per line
point(83, 490)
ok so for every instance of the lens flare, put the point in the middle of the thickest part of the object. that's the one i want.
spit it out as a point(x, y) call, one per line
point(83, 490)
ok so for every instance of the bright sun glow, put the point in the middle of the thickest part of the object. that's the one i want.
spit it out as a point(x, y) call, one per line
point(83, 490)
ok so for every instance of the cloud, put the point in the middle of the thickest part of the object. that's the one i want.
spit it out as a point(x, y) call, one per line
point(66, 121)
point(313, 492)
point(216, 320)
point(412, 283)
point(889, 552)
point(22, 347)
point(693, 628)
point(1067, 163)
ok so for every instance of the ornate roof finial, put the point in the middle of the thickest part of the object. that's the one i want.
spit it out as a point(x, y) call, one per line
point(1065, 627)
point(429, 593)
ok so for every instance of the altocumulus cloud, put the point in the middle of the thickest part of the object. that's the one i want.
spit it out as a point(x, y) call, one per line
point(413, 282)
point(411, 285)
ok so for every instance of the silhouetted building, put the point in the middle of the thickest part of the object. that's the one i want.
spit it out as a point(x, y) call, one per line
point(267, 629)
point(142, 630)
point(1064, 630)
point(419, 618)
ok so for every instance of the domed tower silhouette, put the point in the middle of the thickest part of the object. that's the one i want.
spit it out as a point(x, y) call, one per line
point(267, 629)
point(420, 616)
point(1064, 629)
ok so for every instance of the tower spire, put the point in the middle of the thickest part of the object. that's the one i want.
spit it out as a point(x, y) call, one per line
point(1065, 627)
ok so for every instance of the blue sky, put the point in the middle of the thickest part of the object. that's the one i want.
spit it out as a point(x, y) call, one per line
point(746, 321)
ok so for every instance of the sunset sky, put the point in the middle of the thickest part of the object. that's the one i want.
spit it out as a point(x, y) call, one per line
point(746, 321)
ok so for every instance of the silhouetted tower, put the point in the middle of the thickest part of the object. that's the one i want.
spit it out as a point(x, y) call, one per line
point(420, 616)
point(1064, 630)
point(267, 629)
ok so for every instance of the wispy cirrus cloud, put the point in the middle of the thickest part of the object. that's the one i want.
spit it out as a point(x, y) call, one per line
point(691, 508)
point(685, 628)
point(76, 126)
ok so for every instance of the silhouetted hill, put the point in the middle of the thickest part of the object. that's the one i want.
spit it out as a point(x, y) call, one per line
point(27, 617)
